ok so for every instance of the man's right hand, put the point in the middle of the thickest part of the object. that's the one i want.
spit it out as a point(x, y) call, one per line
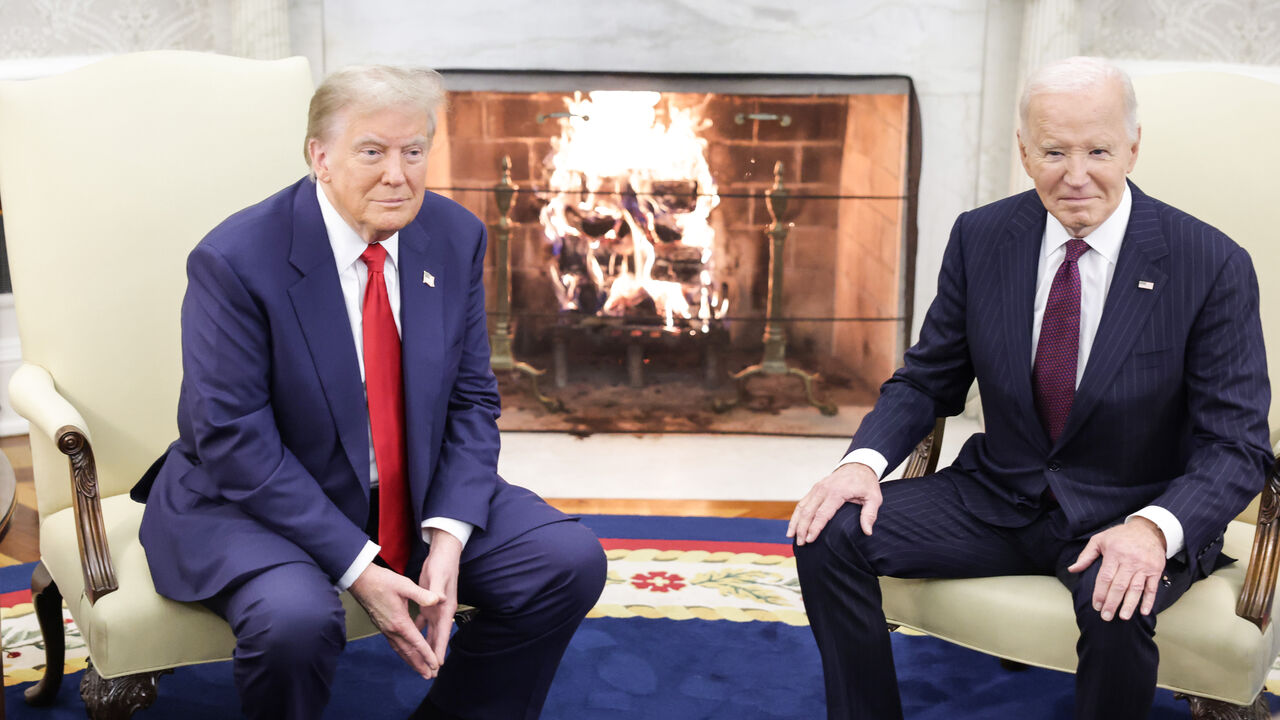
point(385, 595)
point(852, 482)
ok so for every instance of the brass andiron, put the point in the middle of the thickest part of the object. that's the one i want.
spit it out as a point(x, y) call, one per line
point(775, 336)
point(500, 357)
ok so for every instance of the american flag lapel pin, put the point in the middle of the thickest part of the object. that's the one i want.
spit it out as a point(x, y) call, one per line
point(1146, 285)
point(428, 279)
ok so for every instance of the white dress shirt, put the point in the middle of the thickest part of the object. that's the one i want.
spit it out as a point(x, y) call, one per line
point(353, 275)
point(1097, 266)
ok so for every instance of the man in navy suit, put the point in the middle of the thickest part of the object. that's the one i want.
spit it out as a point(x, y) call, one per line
point(337, 391)
point(1118, 349)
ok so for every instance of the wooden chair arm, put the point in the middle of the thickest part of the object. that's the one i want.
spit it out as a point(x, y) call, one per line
point(91, 530)
point(1259, 589)
point(34, 396)
point(924, 459)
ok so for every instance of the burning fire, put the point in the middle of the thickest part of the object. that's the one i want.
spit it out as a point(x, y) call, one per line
point(629, 213)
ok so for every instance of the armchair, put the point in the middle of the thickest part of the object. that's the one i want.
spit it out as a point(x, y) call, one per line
point(110, 175)
point(1203, 135)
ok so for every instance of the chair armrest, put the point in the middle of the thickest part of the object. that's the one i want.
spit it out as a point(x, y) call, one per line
point(1258, 593)
point(924, 459)
point(34, 396)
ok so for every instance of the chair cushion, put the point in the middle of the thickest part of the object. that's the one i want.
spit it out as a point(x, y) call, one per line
point(1205, 648)
point(134, 629)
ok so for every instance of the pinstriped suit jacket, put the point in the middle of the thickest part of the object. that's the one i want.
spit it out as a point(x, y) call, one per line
point(1171, 409)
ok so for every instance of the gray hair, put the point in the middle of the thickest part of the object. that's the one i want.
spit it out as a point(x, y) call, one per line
point(1080, 73)
point(367, 88)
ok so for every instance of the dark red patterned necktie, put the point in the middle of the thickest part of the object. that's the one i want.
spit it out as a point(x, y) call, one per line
point(384, 386)
point(1053, 377)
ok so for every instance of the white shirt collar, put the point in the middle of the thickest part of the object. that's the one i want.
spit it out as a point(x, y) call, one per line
point(1105, 240)
point(346, 242)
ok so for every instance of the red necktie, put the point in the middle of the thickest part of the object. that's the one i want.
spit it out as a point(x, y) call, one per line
point(384, 386)
point(1054, 376)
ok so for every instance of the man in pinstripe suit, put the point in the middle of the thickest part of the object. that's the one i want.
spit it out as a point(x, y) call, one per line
point(1118, 349)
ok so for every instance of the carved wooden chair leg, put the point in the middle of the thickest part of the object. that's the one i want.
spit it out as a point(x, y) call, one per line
point(48, 603)
point(117, 698)
point(1204, 709)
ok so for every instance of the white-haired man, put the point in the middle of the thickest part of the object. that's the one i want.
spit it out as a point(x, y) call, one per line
point(1118, 349)
point(337, 430)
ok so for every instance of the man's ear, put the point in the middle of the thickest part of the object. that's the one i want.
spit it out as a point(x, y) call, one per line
point(319, 159)
point(1133, 152)
point(1022, 150)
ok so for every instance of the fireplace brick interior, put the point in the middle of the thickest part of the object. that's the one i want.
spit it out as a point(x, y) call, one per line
point(845, 165)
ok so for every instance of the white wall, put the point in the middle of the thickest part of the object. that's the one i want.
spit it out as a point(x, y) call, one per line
point(964, 55)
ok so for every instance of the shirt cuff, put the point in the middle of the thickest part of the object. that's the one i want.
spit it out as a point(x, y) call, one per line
point(1168, 524)
point(456, 528)
point(868, 457)
point(361, 562)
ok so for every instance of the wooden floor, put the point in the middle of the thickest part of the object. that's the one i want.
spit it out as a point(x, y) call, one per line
point(21, 543)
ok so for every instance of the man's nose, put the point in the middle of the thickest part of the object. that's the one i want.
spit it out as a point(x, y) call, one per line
point(393, 170)
point(1077, 171)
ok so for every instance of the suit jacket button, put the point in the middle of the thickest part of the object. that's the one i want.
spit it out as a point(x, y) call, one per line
point(1054, 467)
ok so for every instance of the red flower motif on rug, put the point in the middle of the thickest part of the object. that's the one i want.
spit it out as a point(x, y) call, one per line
point(657, 581)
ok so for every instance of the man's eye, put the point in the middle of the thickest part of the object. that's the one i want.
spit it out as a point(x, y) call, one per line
point(414, 153)
point(369, 152)
point(1099, 152)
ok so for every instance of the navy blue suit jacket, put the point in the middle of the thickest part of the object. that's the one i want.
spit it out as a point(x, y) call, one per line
point(1171, 409)
point(272, 461)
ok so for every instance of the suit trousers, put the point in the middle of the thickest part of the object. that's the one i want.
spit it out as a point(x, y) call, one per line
point(532, 593)
point(924, 530)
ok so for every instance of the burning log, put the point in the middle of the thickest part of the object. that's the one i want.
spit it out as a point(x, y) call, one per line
point(628, 213)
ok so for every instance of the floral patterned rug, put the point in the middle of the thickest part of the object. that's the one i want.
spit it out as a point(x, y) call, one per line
point(655, 645)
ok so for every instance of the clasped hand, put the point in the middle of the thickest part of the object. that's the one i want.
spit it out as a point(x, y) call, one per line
point(385, 595)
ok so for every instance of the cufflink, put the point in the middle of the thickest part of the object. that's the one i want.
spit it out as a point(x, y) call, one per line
point(428, 279)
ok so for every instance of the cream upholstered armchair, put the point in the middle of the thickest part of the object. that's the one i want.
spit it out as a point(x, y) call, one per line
point(110, 175)
point(1207, 148)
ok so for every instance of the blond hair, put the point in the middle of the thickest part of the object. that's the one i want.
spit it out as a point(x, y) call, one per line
point(369, 88)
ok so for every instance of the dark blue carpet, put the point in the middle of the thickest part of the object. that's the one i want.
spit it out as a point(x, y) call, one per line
point(634, 669)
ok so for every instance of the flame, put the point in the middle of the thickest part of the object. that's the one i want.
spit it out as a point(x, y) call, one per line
point(625, 182)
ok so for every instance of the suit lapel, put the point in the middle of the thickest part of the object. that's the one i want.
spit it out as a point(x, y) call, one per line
point(1019, 260)
point(1126, 310)
point(421, 335)
point(322, 313)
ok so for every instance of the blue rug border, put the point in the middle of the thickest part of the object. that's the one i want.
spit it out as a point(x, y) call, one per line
point(16, 577)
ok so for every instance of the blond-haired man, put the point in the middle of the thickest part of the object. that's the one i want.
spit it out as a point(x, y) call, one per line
point(337, 430)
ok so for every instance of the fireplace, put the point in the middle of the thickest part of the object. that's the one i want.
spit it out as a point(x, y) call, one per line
point(639, 247)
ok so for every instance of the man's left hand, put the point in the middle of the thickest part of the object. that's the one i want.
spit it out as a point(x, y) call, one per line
point(440, 575)
point(1133, 558)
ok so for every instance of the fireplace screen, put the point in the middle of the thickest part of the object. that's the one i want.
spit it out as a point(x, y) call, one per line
point(669, 232)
